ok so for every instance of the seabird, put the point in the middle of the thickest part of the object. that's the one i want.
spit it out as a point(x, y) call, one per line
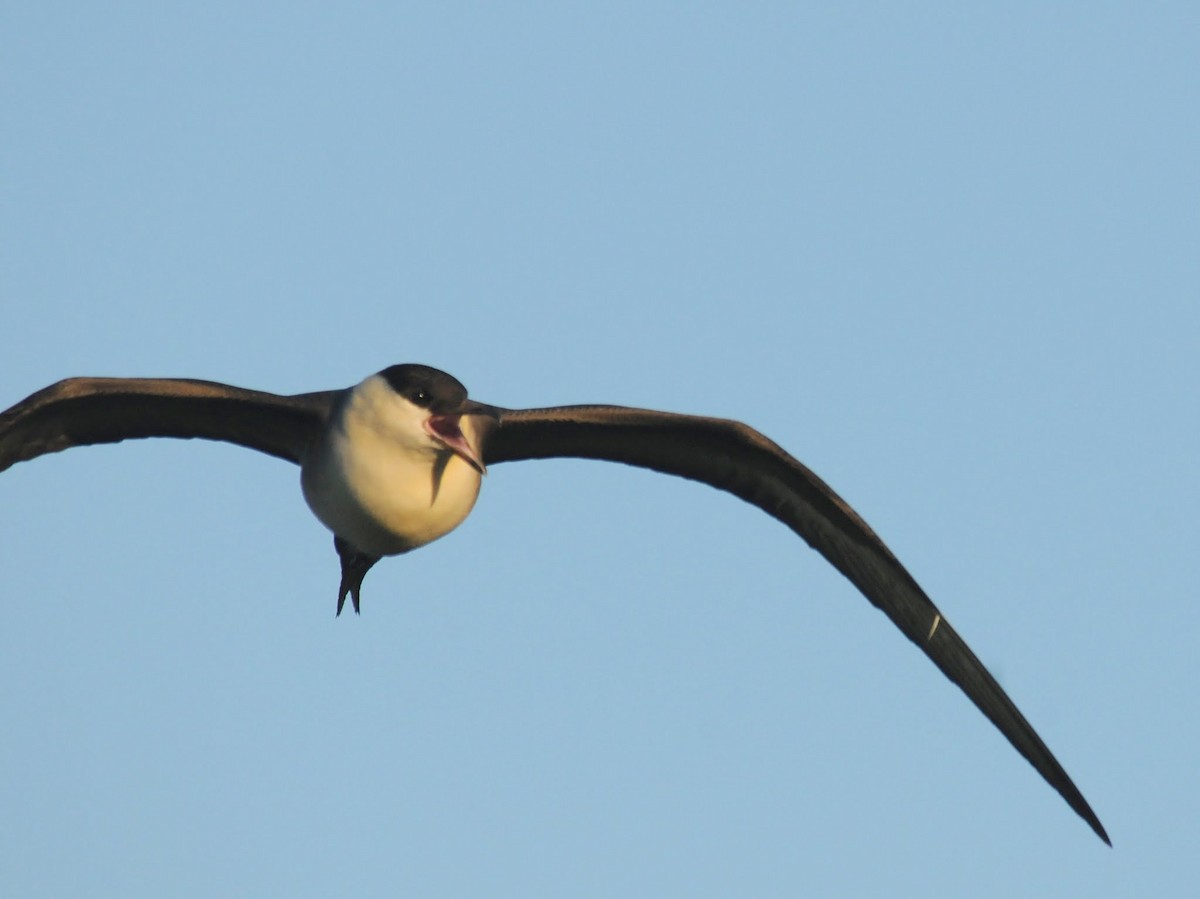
point(395, 462)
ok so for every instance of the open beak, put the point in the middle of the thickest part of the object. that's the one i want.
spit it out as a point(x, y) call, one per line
point(447, 430)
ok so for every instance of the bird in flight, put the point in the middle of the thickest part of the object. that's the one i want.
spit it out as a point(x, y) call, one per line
point(396, 462)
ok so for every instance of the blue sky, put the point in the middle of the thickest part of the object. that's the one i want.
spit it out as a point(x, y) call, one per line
point(946, 256)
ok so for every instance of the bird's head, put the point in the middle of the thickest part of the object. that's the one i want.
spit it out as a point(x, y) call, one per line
point(436, 406)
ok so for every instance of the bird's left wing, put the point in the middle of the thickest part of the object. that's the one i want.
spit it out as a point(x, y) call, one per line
point(733, 457)
point(82, 411)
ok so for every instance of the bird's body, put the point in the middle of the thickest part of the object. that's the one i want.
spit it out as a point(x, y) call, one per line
point(395, 462)
point(373, 479)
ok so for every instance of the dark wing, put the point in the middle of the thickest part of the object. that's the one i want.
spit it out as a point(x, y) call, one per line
point(82, 411)
point(733, 457)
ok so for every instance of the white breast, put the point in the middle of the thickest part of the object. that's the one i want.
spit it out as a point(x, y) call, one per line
point(380, 481)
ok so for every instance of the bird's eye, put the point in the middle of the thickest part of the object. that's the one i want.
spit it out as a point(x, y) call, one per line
point(422, 396)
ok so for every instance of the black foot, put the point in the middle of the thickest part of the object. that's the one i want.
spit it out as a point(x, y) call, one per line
point(355, 566)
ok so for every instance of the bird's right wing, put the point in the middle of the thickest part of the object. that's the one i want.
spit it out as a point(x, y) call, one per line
point(83, 411)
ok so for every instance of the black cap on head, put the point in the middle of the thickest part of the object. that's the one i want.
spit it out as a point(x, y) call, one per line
point(427, 387)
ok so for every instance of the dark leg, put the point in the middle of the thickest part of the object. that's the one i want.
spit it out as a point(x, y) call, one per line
point(355, 566)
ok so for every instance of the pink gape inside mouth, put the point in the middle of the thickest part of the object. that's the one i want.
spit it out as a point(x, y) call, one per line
point(445, 429)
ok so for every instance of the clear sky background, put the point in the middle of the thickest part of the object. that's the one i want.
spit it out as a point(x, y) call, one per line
point(948, 257)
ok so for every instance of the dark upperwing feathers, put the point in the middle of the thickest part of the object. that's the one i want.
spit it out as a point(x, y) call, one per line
point(733, 457)
point(81, 411)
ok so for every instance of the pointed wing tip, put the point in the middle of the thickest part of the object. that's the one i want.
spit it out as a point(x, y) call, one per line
point(1095, 824)
point(1068, 791)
